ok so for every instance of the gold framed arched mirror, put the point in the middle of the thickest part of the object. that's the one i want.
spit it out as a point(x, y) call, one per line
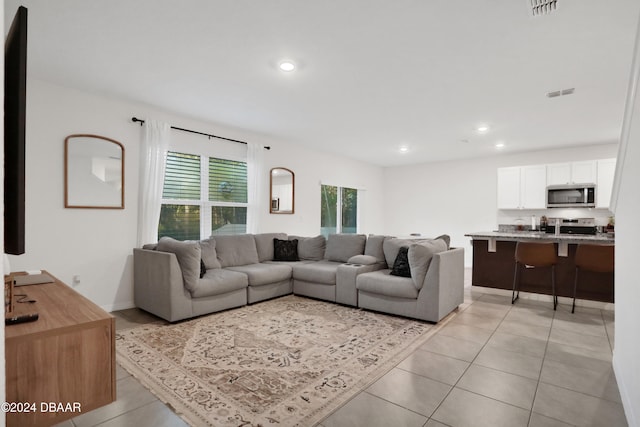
point(282, 191)
point(93, 172)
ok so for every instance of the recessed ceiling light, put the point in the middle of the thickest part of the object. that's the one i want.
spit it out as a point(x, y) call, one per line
point(483, 128)
point(404, 149)
point(500, 145)
point(287, 66)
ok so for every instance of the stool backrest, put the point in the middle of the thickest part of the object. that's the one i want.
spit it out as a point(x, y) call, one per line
point(536, 254)
point(598, 258)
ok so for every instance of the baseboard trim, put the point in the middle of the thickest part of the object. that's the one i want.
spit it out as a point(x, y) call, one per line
point(633, 419)
point(118, 306)
point(599, 305)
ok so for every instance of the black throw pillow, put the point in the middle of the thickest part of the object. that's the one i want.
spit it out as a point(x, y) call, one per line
point(401, 264)
point(285, 250)
point(203, 269)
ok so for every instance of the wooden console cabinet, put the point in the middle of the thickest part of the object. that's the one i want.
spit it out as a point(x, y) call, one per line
point(62, 362)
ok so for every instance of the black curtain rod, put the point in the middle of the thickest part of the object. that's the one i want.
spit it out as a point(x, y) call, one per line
point(136, 120)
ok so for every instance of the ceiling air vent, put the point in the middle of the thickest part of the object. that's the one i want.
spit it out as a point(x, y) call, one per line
point(543, 7)
point(562, 92)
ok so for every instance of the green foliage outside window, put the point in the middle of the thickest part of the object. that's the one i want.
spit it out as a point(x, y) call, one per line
point(182, 222)
point(331, 205)
point(349, 210)
point(228, 220)
point(328, 209)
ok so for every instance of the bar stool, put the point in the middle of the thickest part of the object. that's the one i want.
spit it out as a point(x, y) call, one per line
point(535, 254)
point(597, 258)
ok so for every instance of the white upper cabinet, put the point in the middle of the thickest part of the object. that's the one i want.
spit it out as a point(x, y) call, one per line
point(525, 187)
point(604, 182)
point(559, 174)
point(509, 188)
point(583, 172)
point(533, 187)
point(522, 187)
point(572, 173)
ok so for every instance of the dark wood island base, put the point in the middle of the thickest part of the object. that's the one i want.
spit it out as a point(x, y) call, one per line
point(495, 270)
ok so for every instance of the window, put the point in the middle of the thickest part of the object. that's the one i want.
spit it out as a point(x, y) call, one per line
point(228, 192)
point(203, 196)
point(339, 210)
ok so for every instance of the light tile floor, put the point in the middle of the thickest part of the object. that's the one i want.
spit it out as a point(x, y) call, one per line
point(494, 364)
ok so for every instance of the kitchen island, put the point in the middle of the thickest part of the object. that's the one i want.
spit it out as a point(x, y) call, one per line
point(494, 263)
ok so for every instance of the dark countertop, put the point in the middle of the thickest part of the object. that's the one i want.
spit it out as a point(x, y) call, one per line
point(539, 235)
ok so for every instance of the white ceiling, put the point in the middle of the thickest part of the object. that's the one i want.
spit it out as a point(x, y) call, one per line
point(372, 74)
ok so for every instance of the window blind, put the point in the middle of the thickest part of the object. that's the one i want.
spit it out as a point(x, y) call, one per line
point(182, 177)
point(227, 181)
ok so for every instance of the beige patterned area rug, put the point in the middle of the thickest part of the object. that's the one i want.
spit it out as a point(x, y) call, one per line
point(285, 362)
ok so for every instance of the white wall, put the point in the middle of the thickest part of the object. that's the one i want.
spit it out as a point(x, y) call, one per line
point(626, 354)
point(460, 197)
point(2, 361)
point(312, 168)
point(97, 244)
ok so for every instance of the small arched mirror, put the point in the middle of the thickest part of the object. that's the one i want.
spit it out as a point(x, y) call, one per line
point(93, 172)
point(282, 191)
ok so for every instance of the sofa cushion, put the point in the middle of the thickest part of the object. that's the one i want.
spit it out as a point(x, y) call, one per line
point(420, 255)
point(401, 264)
point(363, 260)
point(219, 281)
point(391, 247)
point(188, 254)
point(446, 238)
point(264, 274)
point(341, 247)
point(264, 244)
point(317, 272)
point(285, 250)
point(236, 250)
point(374, 245)
point(290, 263)
point(209, 255)
point(383, 283)
point(310, 248)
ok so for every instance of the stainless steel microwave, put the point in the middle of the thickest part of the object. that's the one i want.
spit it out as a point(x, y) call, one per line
point(571, 196)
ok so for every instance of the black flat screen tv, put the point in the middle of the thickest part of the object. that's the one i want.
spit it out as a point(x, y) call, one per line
point(15, 101)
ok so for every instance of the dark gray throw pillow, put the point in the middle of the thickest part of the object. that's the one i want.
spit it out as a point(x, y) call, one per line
point(401, 264)
point(203, 269)
point(285, 250)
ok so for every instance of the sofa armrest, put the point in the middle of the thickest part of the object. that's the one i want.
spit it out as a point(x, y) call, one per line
point(158, 286)
point(346, 275)
point(443, 288)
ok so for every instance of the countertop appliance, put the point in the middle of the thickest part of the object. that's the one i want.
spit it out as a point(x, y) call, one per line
point(571, 196)
point(572, 226)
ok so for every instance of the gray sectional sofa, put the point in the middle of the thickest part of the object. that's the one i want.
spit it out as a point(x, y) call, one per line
point(178, 280)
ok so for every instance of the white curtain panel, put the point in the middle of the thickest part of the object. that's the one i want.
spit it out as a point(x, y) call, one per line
point(255, 185)
point(153, 154)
